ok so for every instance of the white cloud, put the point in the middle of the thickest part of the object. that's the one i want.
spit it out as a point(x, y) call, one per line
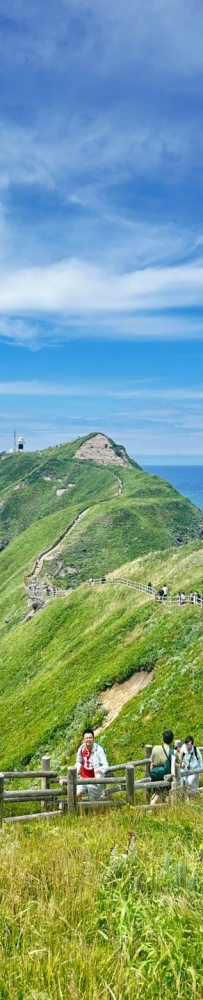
point(76, 288)
point(101, 389)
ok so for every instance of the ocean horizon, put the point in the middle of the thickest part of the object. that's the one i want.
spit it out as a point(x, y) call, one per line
point(188, 479)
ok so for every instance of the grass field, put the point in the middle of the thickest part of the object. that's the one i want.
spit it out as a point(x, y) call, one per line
point(82, 917)
point(53, 667)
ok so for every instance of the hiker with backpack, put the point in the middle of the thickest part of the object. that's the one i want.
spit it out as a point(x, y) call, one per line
point(160, 764)
point(191, 760)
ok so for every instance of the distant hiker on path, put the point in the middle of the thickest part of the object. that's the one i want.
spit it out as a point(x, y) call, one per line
point(191, 760)
point(162, 594)
point(160, 764)
point(91, 762)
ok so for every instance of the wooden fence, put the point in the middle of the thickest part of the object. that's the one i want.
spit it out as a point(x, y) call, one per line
point(56, 799)
point(173, 601)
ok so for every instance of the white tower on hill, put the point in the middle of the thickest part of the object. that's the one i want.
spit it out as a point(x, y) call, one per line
point(21, 443)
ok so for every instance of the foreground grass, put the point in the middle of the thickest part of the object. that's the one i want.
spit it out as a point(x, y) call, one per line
point(82, 918)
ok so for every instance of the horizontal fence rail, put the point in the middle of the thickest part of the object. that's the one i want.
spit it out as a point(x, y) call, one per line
point(174, 600)
point(55, 801)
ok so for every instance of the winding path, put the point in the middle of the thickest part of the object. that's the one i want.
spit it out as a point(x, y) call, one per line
point(42, 591)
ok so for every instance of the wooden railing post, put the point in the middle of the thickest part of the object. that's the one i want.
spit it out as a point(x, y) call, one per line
point(130, 778)
point(72, 789)
point(45, 783)
point(175, 784)
point(148, 751)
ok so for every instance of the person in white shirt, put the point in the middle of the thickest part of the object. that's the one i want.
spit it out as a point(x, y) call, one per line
point(191, 761)
point(91, 762)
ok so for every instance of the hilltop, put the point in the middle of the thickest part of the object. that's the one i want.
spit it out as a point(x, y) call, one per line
point(93, 517)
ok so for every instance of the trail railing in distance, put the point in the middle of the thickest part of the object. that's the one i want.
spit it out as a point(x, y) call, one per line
point(120, 780)
point(172, 601)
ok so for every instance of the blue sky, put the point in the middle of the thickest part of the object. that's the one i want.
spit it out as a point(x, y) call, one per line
point(101, 224)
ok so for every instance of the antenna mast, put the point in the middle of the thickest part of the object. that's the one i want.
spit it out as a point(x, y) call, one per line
point(14, 441)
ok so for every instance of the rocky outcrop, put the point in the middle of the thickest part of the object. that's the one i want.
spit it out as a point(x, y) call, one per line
point(101, 450)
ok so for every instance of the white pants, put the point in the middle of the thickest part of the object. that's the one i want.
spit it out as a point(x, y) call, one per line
point(189, 779)
point(92, 791)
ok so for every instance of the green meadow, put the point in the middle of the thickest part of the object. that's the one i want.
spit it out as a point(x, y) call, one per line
point(54, 667)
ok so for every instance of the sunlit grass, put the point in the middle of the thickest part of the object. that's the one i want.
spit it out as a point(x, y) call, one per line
point(82, 917)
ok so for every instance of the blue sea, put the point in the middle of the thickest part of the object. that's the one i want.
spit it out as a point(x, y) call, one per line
point(188, 479)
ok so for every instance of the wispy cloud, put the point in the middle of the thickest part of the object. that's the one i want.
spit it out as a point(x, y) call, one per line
point(101, 389)
point(75, 287)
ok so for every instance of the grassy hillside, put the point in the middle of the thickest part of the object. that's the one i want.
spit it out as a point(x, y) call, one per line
point(82, 917)
point(29, 484)
point(53, 667)
point(146, 516)
point(128, 514)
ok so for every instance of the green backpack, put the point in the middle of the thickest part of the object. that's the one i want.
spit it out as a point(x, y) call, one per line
point(160, 770)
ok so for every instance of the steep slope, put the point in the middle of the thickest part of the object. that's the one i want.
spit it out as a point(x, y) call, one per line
point(36, 485)
point(53, 667)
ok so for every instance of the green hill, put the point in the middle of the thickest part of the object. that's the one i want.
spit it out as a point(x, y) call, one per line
point(54, 667)
point(127, 513)
point(81, 915)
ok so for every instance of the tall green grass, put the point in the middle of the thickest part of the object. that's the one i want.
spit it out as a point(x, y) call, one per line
point(81, 916)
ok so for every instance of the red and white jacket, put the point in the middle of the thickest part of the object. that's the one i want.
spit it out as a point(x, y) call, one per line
point(88, 762)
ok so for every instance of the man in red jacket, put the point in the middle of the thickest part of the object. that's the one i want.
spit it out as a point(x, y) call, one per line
point(91, 763)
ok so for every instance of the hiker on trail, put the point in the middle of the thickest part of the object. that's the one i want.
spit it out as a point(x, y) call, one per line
point(91, 763)
point(197, 597)
point(165, 592)
point(160, 763)
point(159, 596)
point(191, 760)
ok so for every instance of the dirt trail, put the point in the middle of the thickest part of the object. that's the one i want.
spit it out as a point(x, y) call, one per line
point(118, 695)
point(50, 553)
point(42, 591)
point(120, 486)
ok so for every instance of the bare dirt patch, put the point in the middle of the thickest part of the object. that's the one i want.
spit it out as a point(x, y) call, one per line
point(64, 489)
point(100, 450)
point(118, 695)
